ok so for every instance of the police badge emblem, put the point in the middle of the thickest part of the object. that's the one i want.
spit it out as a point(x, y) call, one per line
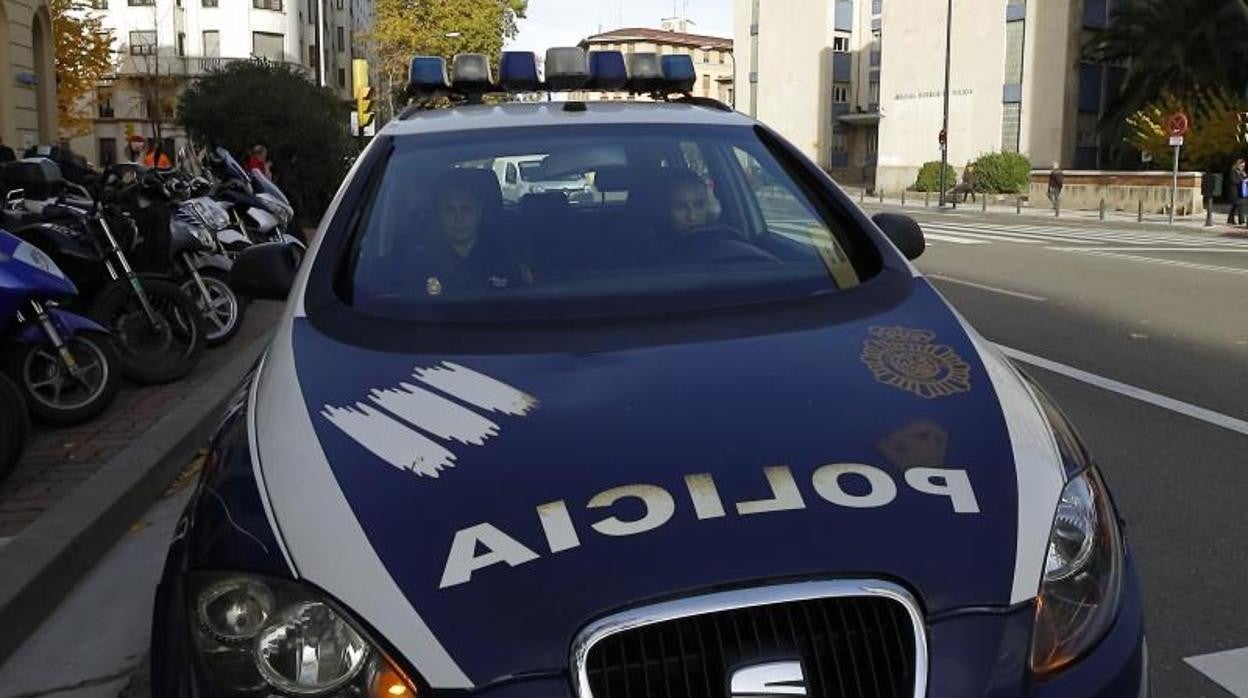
point(433, 286)
point(907, 359)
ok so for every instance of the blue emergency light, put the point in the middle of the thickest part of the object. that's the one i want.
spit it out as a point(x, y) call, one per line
point(517, 72)
point(607, 71)
point(678, 73)
point(427, 75)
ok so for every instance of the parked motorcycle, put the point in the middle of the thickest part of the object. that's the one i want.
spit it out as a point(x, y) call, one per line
point(196, 229)
point(63, 364)
point(159, 331)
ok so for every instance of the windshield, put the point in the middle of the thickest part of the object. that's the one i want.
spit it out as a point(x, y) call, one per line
point(668, 218)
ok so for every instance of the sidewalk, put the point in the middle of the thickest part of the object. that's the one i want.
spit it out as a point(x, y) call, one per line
point(1008, 205)
point(76, 491)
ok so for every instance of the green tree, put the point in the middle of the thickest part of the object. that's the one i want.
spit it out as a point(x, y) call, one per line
point(249, 102)
point(1210, 143)
point(84, 56)
point(406, 28)
point(1175, 47)
point(1002, 173)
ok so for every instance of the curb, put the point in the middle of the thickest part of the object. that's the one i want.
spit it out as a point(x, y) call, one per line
point(46, 560)
point(1182, 228)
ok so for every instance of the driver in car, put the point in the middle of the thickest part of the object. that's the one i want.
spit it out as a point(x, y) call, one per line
point(467, 252)
point(688, 202)
point(688, 232)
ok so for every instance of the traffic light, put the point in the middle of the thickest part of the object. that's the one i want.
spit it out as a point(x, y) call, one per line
point(1241, 131)
point(363, 92)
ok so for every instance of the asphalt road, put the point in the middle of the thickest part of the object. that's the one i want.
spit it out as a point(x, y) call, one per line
point(1163, 314)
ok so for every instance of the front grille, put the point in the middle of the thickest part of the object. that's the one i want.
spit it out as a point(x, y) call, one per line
point(852, 647)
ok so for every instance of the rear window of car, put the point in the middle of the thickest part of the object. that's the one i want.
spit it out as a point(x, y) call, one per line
point(605, 220)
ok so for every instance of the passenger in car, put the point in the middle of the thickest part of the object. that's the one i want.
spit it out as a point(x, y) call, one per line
point(468, 251)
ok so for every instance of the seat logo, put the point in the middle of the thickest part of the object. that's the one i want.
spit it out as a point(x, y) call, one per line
point(767, 680)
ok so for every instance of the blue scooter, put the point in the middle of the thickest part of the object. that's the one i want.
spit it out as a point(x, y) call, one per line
point(64, 365)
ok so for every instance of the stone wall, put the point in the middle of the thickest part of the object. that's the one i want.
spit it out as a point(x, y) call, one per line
point(1122, 191)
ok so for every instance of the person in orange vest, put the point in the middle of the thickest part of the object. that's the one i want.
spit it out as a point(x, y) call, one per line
point(150, 157)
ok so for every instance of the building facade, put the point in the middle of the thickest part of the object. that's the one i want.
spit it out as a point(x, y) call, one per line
point(27, 74)
point(164, 44)
point(858, 85)
point(712, 56)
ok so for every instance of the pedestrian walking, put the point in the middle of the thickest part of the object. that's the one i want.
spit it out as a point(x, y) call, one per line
point(259, 160)
point(1056, 182)
point(1238, 183)
point(968, 182)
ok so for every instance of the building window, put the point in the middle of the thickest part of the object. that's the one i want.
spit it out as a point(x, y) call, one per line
point(877, 7)
point(873, 95)
point(340, 4)
point(706, 85)
point(840, 44)
point(104, 105)
point(181, 43)
point(342, 77)
point(342, 41)
point(108, 151)
point(1014, 53)
point(314, 58)
point(143, 43)
point(212, 44)
point(1090, 88)
point(1011, 123)
point(268, 46)
point(208, 3)
point(840, 93)
point(873, 142)
point(140, 3)
point(275, 5)
point(840, 142)
point(99, 4)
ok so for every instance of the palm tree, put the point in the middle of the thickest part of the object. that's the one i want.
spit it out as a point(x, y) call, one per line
point(1177, 47)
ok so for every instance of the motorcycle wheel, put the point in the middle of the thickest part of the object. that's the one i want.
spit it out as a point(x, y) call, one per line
point(52, 394)
point(224, 315)
point(14, 426)
point(152, 355)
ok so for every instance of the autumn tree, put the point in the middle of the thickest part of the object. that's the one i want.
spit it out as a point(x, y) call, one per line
point(84, 56)
point(1209, 145)
point(406, 28)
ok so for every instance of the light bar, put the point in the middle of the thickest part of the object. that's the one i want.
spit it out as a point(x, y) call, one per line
point(470, 73)
point(566, 69)
point(678, 73)
point(645, 73)
point(427, 75)
point(607, 70)
point(517, 72)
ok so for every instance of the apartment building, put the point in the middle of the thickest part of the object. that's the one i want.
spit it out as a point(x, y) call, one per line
point(712, 55)
point(27, 74)
point(164, 44)
point(858, 85)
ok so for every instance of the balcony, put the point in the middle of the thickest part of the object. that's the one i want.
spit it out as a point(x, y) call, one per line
point(182, 66)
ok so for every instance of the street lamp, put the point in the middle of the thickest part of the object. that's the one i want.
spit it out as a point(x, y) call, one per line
point(732, 86)
point(944, 129)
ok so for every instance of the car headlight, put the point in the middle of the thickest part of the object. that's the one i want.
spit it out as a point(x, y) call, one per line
point(537, 189)
point(1083, 575)
point(261, 636)
point(37, 258)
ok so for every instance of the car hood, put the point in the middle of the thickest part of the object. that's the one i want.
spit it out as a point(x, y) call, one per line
point(489, 505)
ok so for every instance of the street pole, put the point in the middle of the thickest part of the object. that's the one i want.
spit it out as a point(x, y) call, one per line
point(1174, 188)
point(944, 146)
point(320, 43)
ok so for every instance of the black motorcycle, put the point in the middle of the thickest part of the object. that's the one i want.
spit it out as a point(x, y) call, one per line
point(159, 332)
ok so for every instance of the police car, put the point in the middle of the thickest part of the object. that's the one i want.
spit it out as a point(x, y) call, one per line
point(710, 436)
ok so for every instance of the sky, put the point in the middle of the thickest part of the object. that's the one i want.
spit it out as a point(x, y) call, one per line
point(566, 22)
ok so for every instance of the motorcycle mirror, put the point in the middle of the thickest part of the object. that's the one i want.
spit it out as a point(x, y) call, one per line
point(13, 199)
point(266, 271)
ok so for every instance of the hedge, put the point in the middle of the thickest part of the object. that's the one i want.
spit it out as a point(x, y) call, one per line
point(929, 177)
point(1002, 173)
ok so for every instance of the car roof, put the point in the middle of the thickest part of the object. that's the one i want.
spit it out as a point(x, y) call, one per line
point(519, 115)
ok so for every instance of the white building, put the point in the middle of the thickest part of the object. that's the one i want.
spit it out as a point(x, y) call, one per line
point(163, 44)
point(858, 85)
point(712, 55)
point(27, 74)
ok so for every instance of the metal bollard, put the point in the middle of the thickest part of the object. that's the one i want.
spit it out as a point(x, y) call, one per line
point(881, 194)
point(1139, 214)
point(927, 197)
point(1208, 212)
point(1018, 205)
point(1102, 208)
point(903, 196)
point(983, 202)
point(862, 195)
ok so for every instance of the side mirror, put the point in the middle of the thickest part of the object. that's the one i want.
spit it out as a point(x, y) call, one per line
point(266, 271)
point(903, 231)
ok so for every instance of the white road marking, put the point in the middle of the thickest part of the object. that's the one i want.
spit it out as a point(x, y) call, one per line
point(1163, 262)
point(990, 237)
point(1092, 235)
point(1219, 250)
point(5, 541)
point(993, 289)
point(955, 240)
point(1228, 669)
point(1208, 416)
